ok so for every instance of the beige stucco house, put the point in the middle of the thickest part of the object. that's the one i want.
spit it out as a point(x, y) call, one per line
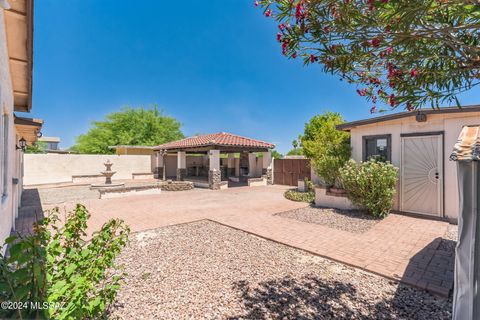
point(16, 42)
point(419, 144)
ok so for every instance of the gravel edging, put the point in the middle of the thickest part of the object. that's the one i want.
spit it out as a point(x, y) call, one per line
point(354, 221)
point(210, 271)
point(449, 239)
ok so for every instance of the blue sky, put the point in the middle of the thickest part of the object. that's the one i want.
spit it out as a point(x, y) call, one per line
point(214, 65)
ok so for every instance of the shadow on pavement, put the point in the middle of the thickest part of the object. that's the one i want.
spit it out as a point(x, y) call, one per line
point(315, 298)
point(30, 211)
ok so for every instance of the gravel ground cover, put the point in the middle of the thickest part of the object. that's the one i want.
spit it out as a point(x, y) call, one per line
point(204, 270)
point(347, 220)
point(46, 196)
point(449, 240)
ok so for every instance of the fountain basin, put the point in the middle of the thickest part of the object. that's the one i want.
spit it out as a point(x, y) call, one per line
point(106, 186)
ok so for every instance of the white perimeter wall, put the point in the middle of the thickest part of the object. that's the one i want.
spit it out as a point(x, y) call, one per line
point(57, 168)
point(451, 124)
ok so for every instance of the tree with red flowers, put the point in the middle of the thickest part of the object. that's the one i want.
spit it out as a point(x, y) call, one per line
point(403, 53)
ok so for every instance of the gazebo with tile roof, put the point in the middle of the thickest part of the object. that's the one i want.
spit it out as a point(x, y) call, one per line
point(213, 145)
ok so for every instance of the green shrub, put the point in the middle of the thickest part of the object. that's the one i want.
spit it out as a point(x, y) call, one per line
point(58, 266)
point(370, 185)
point(295, 195)
point(328, 147)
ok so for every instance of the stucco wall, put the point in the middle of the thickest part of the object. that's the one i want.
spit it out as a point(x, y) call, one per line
point(57, 168)
point(451, 124)
point(8, 201)
point(134, 151)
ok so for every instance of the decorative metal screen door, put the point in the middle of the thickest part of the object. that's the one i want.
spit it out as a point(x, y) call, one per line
point(421, 178)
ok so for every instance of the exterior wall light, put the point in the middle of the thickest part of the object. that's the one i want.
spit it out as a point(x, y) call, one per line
point(23, 144)
point(421, 117)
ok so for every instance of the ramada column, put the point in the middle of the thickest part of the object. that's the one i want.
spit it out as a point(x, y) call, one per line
point(231, 165)
point(214, 175)
point(160, 165)
point(252, 164)
point(181, 165)
point(267, 166)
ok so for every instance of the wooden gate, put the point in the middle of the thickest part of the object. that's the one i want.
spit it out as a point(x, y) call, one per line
point(289, 171)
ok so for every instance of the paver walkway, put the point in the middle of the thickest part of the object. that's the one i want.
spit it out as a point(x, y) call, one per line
point(399, 247)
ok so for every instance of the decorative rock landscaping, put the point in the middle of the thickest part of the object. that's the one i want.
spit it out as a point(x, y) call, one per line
point(355, 221)
point(176, 186)
point(203, 270)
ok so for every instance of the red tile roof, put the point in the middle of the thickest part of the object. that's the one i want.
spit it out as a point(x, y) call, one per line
point(216, 139)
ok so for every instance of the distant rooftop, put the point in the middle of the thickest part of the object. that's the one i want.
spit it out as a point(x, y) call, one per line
point(49, 139)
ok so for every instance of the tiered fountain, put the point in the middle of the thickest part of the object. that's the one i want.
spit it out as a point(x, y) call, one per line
point(108, 173)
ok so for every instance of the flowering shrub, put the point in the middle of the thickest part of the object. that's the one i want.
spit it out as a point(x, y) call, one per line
point(401, 53)
point(58, 268)
point(370, 185)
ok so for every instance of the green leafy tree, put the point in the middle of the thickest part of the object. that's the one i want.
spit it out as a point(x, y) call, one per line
point(403, 53)
point(37, 147)
point(130, 126)
point(328, 147)
point(276, 154)
point(295, 152)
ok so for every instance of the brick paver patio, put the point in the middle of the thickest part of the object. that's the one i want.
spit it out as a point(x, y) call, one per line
point(399, 247)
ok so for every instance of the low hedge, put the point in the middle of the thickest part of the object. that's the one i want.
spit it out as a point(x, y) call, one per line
point(298, 196)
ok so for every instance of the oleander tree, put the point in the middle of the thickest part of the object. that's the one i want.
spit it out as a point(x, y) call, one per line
point(404, 54)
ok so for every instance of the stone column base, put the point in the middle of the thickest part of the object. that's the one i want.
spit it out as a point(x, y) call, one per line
point(214, 179)
point(269, 174)
point(158, 174)
point(181, 174)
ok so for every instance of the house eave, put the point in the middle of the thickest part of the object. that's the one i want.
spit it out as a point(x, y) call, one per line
point(448, 110)
point(19, 30)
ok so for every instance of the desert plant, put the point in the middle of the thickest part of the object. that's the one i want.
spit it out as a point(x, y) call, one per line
point(370, 185)
point(59, 269)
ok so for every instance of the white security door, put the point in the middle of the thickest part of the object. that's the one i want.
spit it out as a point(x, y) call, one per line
point(422, 175)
